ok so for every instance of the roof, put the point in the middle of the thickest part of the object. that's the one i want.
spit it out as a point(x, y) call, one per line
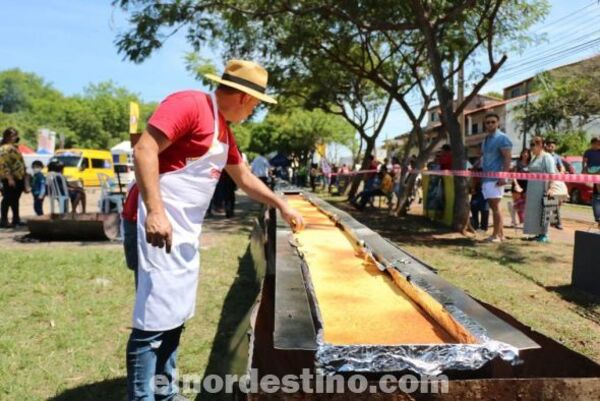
point(552, 69)
point(496, 104)
point(124, 146)
point(24, 149)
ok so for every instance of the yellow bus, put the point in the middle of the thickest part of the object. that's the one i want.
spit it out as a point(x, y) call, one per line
point(85, 164)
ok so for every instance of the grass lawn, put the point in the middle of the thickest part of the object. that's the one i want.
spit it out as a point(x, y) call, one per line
point(67, 308)
point(530, 281)
point(67, 312)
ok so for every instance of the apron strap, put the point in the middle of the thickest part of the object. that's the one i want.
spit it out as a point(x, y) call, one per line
point(216, 114)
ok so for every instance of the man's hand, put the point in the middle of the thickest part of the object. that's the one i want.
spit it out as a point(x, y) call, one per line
point(293, 218)
point(159, 231)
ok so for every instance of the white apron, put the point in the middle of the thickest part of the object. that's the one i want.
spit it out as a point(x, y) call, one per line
point(167, 282)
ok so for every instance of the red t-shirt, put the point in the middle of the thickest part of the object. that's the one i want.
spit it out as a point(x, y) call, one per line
point(446, 160)
point(187, 119)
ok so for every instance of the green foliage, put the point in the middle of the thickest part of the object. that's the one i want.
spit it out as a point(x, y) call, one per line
point(294, 133)
point(568, 99)
point(497, 95)
point(570, 142)
point(98, 118)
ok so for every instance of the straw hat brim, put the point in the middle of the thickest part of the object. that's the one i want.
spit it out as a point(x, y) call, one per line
point(245, 89)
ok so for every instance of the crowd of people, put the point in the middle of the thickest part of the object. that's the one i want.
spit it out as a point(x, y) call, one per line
point(16, 181)
point(534, 205)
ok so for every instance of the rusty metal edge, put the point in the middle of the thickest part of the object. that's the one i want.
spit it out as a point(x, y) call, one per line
point(294, 325)
point(424, 277)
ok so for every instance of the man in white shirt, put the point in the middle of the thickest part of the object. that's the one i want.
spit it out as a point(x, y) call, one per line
point(260, 168)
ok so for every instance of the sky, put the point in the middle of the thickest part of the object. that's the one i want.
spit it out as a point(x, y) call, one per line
point(70, 43)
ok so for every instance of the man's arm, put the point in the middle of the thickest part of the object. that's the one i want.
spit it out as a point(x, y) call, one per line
point(158, 228)
point(258, 191)
point(507, 157)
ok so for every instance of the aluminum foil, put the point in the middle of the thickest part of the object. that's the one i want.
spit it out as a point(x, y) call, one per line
point(424, 359)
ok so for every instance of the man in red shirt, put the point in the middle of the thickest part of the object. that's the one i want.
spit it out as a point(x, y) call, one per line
point(178, 161)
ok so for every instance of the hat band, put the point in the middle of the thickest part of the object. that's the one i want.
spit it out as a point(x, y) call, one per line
point(244, 82)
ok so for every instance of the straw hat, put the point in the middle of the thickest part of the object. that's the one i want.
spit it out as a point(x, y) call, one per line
point(246, 76)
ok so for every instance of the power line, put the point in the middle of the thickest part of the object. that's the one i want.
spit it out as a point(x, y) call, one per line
point(557, 46)
point(548, 59)
point(564, 18)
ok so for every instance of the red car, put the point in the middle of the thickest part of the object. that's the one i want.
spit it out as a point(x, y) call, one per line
point(578, 192)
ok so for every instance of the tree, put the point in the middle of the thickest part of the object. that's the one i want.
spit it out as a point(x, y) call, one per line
point(99, 118)
point(568, 99)
point(453, 36)
point(319, 61)
point(294, 133)
point(370, 39)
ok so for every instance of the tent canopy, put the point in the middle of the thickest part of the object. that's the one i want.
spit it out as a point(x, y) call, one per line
point(123, 147)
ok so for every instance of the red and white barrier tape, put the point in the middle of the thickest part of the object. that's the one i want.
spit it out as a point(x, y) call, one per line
point(575, 178)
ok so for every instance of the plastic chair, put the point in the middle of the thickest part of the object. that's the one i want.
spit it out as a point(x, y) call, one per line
point(108, 196)
point(58, 193)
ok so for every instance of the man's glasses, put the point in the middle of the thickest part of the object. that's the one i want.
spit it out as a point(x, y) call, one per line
point(490, 122)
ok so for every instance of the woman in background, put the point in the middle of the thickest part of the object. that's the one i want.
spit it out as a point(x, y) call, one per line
point(542, 162)
point(12, 172)
point(519, 189)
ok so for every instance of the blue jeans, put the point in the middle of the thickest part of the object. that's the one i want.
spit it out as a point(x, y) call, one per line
point(151, 358)
point(479, 208)
point(130, 246)
point(596, 206)
point(38, 205)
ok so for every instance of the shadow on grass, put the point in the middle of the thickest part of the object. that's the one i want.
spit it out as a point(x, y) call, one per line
point(402, 229)
point(112, 389)
point(229, 351)
point(586, 302)
point(242, 221)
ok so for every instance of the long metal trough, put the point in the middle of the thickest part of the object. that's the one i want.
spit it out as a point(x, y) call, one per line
point(287, 332)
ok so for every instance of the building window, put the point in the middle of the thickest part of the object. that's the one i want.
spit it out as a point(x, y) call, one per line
point(515, 92)
point(434, 116)
point(474, 128)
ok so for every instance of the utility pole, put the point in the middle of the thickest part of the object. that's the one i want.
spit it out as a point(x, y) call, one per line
point(460, 98)
point(526, 121)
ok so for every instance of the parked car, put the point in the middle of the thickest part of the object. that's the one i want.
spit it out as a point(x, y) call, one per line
point(578, 192)
point(84, 165)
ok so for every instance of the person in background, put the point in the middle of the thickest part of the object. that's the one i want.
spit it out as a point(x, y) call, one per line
point(12, 173)
point(314, 176)
point(445, 158)
point(518, 189)
point(75, 192)
point(260, 167)
point(480, 209)
point(229, 188)
point(496, 157)
point(383, 186)
point(343, 178)
point(333, 180)
point(550, 148)
point(38, 187)
point(591, 165)
point(542, 162)
point(370, 177)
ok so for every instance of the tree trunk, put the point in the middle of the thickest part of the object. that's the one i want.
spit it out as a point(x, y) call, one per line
point(364, 166)
point(407, 185)
point(449, 120)
point(461, 190)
